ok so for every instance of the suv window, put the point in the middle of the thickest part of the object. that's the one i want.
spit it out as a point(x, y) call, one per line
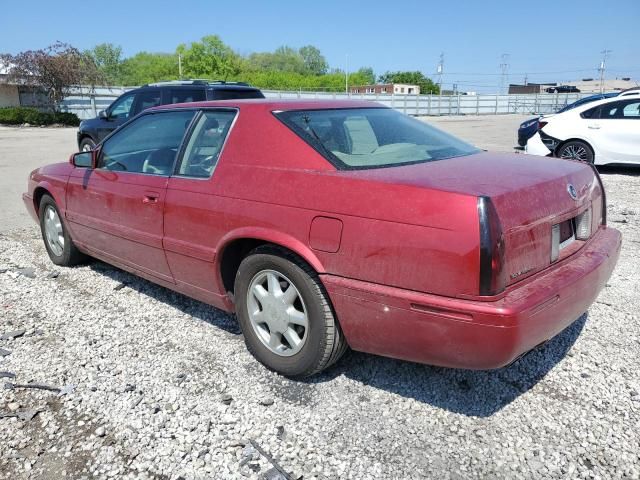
point(121, 108)
point(203, 150)
point(148, 99)
point(147, 145)
point(186, 95)
point(230, 94)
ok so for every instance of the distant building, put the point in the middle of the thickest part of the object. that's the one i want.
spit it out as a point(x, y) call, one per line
point(586, 85)
point(9, 92)
point(387, 88)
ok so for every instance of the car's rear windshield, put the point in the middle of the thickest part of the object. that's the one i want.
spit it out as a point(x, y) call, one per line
point(359, 138)
point(231, 94)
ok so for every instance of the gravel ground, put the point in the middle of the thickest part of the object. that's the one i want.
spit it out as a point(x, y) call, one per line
point(146, 383)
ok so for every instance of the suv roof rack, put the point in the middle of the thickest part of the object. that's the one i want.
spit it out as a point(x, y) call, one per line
point(197, 81)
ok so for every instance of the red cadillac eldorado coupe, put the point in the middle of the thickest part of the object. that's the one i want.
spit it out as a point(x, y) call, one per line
point(327, 224)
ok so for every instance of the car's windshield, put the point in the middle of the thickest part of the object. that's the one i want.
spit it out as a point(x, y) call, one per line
point(372, 137)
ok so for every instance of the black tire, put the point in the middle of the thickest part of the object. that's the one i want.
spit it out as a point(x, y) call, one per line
point(70, 254)
point(87, 143)
point(576, 150)
point(325, 343)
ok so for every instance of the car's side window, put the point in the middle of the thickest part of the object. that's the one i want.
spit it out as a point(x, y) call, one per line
point(591, 113)
point(148, 99)
point(205, 144)
point(121, 108)
point(147, 145)
point(632, 110)
point(186, 95)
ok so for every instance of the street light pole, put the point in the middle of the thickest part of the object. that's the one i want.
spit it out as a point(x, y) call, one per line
point(346, 73)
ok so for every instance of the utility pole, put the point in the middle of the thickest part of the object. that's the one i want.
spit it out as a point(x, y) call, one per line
point(526, 76)
point(180, 66)
point(504, 67)
point(440, 71)
point(346, 73)
point(605, 53)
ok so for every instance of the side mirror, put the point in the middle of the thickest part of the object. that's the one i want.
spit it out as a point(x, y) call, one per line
point(103, 114)
point(83, 159)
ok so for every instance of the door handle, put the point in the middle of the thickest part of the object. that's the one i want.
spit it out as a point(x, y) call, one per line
point(149, 199)
point(594, 126)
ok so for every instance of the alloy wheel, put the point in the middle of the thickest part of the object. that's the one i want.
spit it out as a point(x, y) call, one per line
point(277, 313)
point(53, 230)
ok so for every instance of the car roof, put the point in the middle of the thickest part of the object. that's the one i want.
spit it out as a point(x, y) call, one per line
point(274, 104)
point(604, 101)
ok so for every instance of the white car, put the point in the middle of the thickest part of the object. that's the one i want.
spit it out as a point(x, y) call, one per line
point(606, 131)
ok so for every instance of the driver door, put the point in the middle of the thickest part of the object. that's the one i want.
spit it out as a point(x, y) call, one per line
point(116, 210)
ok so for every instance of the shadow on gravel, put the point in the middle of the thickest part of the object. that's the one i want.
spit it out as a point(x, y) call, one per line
point(185, 304)
point(469, 392)
point(631, 170)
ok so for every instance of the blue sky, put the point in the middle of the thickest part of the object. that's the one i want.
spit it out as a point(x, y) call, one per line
point(548, 40)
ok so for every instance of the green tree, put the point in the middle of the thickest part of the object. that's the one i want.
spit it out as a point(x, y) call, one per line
point(108, 58)
point(314, 62)
point(209, 58)
point(145, 67)
point(366, 73)
point(413, 78)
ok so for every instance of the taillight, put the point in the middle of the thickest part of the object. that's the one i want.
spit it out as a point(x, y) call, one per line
point(583, 225)
point(541, 124)
point(492, 272)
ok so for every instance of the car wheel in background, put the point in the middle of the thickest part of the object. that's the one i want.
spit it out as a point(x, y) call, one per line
point(87, 144)
point(56, 238)
point(575, 150)
point(285, 314)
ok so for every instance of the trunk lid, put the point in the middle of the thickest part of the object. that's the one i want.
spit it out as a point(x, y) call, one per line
point(530, 195)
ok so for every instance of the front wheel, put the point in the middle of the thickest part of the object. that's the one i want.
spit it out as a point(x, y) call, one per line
point(576, 150)
point(285, 314)
point(86, 144)
point(56, 238)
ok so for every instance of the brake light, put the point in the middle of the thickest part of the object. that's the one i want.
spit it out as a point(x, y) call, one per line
point(583, 225)
point(541, 124)
point(492, 272)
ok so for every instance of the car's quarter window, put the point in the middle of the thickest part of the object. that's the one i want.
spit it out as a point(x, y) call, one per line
point(121, 108)
point(186, 95)
point(147, 145)
point(148, 99)
point(372, 137)
point(620, 110)
point(205, 144)
point(632, 110)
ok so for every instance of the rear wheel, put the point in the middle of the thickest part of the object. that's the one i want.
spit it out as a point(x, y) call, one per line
point(576, 150)
point(56, 238)
point(285, 314)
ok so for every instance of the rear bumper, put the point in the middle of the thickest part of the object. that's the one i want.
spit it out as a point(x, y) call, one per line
point(479, 335)
point(535, 146)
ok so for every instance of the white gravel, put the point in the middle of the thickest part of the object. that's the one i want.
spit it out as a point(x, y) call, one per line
point(164, 388)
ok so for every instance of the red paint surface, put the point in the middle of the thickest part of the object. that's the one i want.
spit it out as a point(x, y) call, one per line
point(397, 248)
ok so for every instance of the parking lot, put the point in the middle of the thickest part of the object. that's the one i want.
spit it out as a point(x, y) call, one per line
point(146, 383)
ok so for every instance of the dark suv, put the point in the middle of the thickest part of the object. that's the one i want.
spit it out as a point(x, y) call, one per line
point(129, 104)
